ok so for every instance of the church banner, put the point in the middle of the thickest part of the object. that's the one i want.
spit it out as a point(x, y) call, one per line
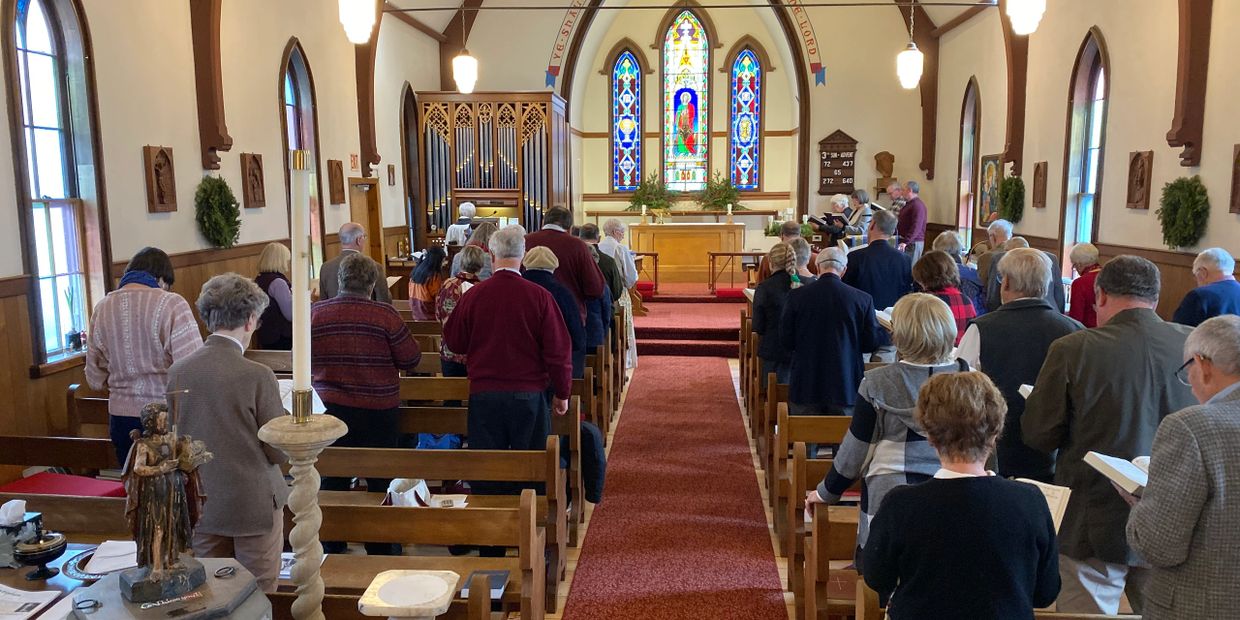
point(806, 28)
point(561, 40)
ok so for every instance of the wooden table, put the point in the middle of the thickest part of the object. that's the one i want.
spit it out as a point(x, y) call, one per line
point(16, 577)
point(683, 248)
point(729, 264)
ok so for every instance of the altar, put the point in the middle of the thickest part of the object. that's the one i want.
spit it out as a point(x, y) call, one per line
point(684, 248)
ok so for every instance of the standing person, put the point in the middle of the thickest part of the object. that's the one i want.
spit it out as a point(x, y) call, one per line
point(360, 347)
point(480, 238)
point(825, 328)
point(860, 211)
point(949, 241)
point(787, 232)
point(1009, 345)
point(1105, 389)
point(425, 282)
point(136, 332)
point(1054, 285)
point(912, 227)
point(275, 327)
point(768, 309)
point(936, 274)
point(934, 545)
point(459, 231)
point(804, 254)
point(578, 269)
point(517, 356)
point(1185, 523)
point(1084, 259)
point(228, 399)
point(540, 265)
point(453, 364)
point(896, 192)
point(352, 241)
point(883, 272)
point(997, 234)
point(1217, 291)
point(613, 244)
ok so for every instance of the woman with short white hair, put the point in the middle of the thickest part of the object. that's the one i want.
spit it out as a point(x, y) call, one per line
point(458, 233)
point(1084, 257)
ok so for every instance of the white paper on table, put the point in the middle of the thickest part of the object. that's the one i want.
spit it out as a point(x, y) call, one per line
point(19, 604)
point(113, 555)
point(286, 395)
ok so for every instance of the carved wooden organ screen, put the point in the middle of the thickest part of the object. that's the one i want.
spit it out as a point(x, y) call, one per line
point(505, 152)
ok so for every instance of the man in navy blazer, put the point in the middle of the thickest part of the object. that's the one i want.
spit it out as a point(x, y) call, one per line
point(827, 326)
point(1217, 291)
point(879, 268)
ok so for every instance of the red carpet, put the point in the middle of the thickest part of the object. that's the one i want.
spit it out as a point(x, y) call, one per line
point(689, 329)
point(681, 533)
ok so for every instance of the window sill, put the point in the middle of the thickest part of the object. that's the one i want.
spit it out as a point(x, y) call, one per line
point(69, 363)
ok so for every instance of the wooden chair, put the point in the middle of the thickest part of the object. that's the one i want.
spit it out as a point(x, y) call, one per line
point(868, 608)
point(87, 407)
point(343, 607)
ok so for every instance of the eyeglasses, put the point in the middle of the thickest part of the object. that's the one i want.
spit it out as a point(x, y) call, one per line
point(1182, 373)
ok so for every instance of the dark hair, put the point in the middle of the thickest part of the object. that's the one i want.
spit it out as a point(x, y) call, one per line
point(149, 416)
point(153, 261)
point(430, 266)
point(559, 216)
point(885, 222)
point(1130, 276)
point(936, 271)
point(589, 232)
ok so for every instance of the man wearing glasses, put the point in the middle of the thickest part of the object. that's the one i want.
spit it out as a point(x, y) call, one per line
point(1106, 390)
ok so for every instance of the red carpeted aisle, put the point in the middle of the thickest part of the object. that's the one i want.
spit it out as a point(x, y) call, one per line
point(681, 532)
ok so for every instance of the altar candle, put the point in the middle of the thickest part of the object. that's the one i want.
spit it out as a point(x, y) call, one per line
point(805, 219)
point(729, 208)
point(299, 185)
point(643, 210)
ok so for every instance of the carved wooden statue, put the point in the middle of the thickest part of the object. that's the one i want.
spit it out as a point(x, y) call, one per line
point(885, 162)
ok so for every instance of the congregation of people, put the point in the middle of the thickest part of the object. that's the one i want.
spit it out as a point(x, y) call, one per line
point(940, 428)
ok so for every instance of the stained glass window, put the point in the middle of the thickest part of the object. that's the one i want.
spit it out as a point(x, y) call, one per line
point(746, 130)
point(626, 123)
point(686, 88)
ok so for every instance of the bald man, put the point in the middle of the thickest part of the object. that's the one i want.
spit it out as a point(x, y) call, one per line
point(352, 240)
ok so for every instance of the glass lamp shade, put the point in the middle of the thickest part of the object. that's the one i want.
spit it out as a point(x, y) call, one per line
point(358, 19)
point(465, 72)
point(1025, 15)
point(909, 65)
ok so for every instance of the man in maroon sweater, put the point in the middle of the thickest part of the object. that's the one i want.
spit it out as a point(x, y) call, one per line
point(577, 270)
point(518, 348)
point(912, 226)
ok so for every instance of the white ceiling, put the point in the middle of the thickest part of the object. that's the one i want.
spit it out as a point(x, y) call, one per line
point(438, 19)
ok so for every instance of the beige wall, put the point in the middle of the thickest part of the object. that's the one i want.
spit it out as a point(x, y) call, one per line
point(405, 56)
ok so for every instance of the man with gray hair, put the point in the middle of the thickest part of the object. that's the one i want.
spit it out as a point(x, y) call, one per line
point(788, 231)
point(458, 233)
point(912, 227)
point(1054, 283)
point(612, 245)
point(1185, 522)
point(228, 399)
point(1105, 390)
point(1009, 345)
point(1217, 291)
point(352, 241)
point(997, 234)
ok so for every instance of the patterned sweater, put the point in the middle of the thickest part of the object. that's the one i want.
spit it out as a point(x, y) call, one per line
point(359, 348)
point(445, 302)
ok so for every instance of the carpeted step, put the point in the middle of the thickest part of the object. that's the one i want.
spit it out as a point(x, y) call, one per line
point(688, 348)
point(729, 334)
point(695, 299)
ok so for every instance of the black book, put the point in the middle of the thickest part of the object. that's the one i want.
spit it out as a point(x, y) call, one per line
point(497, 579)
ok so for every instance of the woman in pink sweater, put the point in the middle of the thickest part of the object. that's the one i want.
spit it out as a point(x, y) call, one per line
point(136, 333)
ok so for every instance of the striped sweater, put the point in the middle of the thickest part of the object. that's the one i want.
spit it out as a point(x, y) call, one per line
point(358, 349)
point(135, 335)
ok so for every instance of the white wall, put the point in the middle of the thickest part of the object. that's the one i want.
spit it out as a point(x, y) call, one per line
point(10, 234)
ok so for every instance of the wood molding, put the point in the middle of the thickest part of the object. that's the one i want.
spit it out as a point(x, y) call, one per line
point(455, 34)
point(364, 70)
point(1162, 257)
point(412, 21)
point(1016, 48)
point(960, 19)
point(204, 17)
point(209, 255)
point(654, 135)
point(624, 197)
point(15, 286)
point(1188, 121)
point(929, 87)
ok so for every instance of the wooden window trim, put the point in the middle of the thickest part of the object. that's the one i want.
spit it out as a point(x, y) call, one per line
point(1093, 52)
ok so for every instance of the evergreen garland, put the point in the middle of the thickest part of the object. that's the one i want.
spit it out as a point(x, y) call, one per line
point(651, 192)
point(718, 193)
point(1012, 199)
point(1183, 212)
point(217, 212)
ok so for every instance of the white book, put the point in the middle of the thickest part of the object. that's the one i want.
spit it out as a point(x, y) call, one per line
point(1025, 390)
point(1056, 498)
point(1131, 476)
point(884, 318)
point(21, 604)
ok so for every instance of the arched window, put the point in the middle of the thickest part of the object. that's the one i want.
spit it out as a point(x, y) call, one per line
point(686, 105)
point(626, 122)
point(409, 157)
point(62, 219)
point(1087, 115)
point(745, 134)
point(299, 124)
point(970, 137)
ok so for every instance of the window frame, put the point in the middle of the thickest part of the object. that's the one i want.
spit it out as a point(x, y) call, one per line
point(748, 43)
point(712, 43)
point(292, 49)
point(1091, 61)
point(967, 222)
point(609, 71)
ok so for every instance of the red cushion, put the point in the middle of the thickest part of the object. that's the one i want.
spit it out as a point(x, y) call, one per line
point(46, 483)
point(729, 293)
point(644, 285)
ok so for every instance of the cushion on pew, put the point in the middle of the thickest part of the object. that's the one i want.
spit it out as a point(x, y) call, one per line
point(47, 483)
point(729, 293)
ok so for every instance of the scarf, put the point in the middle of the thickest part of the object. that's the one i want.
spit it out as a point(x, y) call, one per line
point(139, 277)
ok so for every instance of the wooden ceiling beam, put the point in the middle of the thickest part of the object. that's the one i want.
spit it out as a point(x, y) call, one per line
point(960, 19)
point(415, 23)
point(1017, 52)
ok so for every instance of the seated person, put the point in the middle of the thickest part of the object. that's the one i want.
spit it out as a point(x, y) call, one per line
point(966, 544)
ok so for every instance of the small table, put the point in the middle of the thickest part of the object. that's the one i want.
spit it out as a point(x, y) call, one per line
point(729, 259)
point(639, 257)
point(16, 577)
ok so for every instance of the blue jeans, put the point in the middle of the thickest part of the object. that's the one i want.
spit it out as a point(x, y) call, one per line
point(118, 430)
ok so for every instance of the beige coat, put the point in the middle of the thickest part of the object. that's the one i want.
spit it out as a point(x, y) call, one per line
point(329, 281)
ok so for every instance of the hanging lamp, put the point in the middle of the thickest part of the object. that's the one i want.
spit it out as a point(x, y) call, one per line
point(464, 66)
point(1025, 15)
point(911, 62)
point(358, 19)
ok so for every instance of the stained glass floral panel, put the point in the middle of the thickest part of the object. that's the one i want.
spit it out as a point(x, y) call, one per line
point(626, 115)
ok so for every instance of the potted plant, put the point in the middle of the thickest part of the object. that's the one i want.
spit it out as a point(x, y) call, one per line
point(217, 212)
point(651, 193)
point(74, 338)
point(718, 193)
point(1012, 199)
point(1183, 212)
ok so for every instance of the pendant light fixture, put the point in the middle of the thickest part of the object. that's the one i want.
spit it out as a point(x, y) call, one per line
point(1025, 15)
point(358, 19)
point(464, 66)
point(911, 62)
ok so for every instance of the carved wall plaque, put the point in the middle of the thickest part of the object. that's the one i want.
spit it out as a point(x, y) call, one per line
point(253, 184)
point(1235, 180)
point(1140, 168)
point(161, 182)
point(1039, 185)
point(335, 182)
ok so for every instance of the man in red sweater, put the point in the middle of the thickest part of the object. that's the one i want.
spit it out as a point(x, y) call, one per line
point(513, 334)
point(577, 270)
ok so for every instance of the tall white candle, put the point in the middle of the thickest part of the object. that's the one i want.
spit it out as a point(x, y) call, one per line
point(729, 208)
point(804, 219)
point(643, 210)
point(299, 185)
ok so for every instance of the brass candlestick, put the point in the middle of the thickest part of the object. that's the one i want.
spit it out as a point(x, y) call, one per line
point(302, 406)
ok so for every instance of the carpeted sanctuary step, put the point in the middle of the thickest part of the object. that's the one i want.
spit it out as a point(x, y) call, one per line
point(688, 348)
point(729, 334)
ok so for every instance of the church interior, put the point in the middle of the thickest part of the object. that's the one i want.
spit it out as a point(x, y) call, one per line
point(681, 140)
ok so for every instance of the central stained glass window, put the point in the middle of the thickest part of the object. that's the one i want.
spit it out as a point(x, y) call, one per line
point(686, 88)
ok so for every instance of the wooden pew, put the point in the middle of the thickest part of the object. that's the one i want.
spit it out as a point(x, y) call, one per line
point(812, 585)
point(584, 389)
point(424, 328)
point(829, 549)
point(343, 607)
point(82, 519)
point(802, 475)
point(280, 362)
point(868, 608)
point(774, 394)
point(74, 453)
point(87, 407)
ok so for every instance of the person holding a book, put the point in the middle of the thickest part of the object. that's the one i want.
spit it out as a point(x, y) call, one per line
point(1105, 390)
point(1185, 522)
point(966, 543)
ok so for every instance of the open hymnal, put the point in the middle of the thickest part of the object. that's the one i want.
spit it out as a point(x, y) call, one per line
point(20, 604)
point(286, 395)
point(497, 579)
point(884, 318)
point(1025, 390)
point(1131, 476)
point(1056, 498)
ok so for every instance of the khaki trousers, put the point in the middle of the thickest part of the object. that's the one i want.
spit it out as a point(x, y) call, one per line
point(259, 554)
point(1091, 586)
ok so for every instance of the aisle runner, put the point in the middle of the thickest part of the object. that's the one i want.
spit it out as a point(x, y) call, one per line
point(681, 532)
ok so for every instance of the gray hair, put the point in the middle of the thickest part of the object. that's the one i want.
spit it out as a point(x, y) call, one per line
point(228, 300)
point(832, 256)
point(467, 209)
point(839, 199)
point(1215, 259)
point(1015, 243)
point(1000, 227)
point(1026, 271)
point(861, 196)
point(1130, 276)
point(1218, 340)
point(913, 186)
point(1084, 254)
point(885, 222)
point(612, 226)
point(358, 274)
point(949, 242)
point(801, 248)
point(924, 330)
point(351, 232)
point(509, 242)
point(789, 229)
point(472, 259)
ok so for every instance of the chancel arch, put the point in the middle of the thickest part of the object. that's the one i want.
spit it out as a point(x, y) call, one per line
point(1084, 154)
point(299, 123)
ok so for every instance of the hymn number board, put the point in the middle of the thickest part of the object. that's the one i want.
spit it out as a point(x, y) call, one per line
point(837, 162)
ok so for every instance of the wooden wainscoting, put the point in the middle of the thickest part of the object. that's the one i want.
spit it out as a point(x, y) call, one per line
point(31, 405)
point(1176, 269)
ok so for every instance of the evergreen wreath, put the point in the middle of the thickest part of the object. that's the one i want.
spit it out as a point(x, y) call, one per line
point(1183, 212)
point(217, 212)
point(1012, 199)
